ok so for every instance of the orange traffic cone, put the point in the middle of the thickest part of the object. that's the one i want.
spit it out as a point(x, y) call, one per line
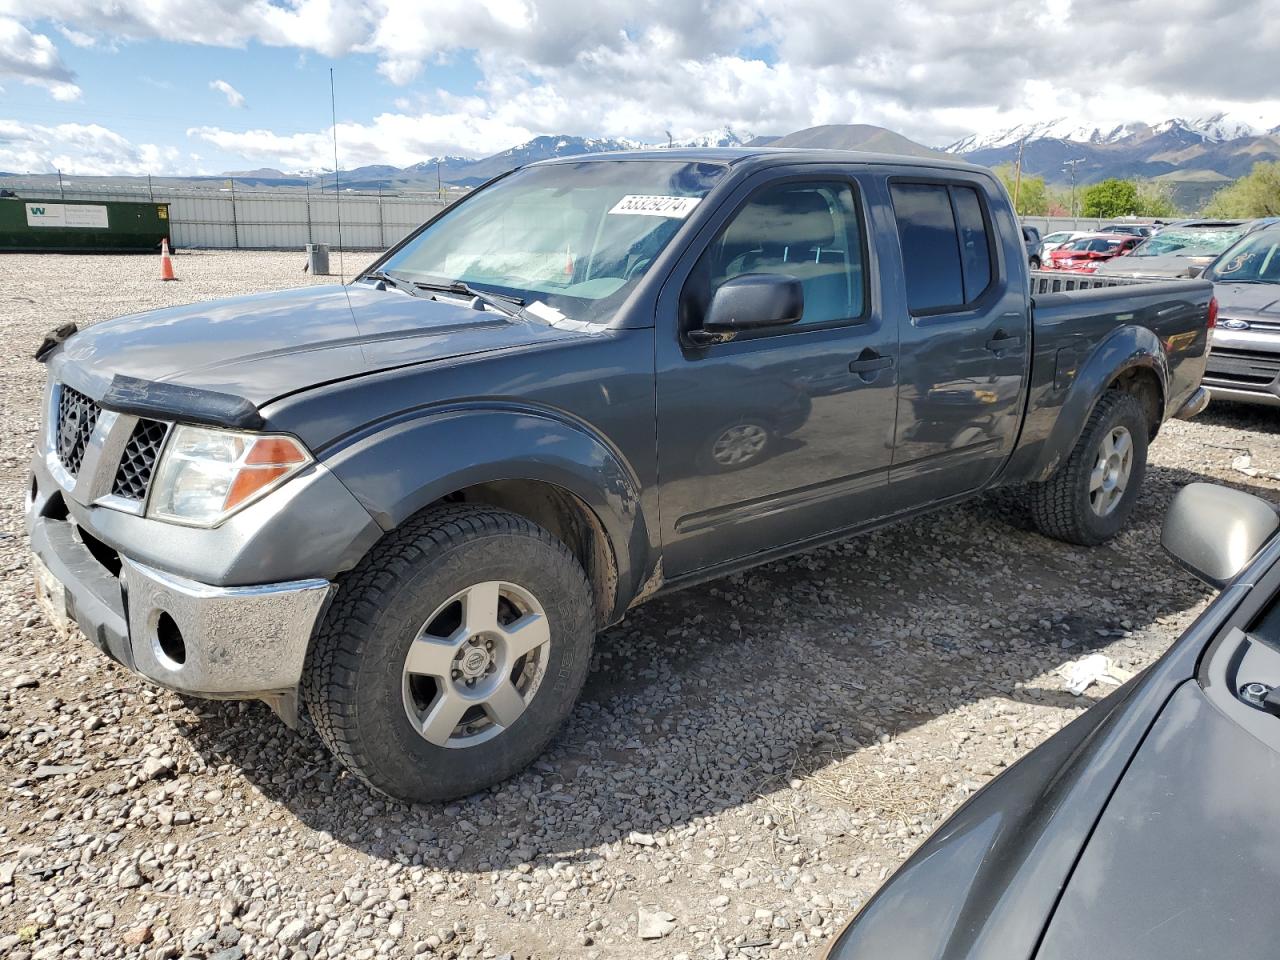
point(166, 265)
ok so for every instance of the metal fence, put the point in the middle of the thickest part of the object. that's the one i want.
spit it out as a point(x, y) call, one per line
point(1047, 225)
point(246, 218)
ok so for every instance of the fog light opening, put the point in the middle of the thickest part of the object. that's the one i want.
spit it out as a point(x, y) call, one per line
point(169, 639)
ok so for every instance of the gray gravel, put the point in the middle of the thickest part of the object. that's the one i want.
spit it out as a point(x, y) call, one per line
point(751, 758)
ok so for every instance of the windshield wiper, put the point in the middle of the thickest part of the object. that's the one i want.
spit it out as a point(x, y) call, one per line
point(388, 279)
point(502, 302)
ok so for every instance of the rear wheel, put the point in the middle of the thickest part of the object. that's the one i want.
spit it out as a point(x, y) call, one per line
point(1091, 496)
point(452, 654)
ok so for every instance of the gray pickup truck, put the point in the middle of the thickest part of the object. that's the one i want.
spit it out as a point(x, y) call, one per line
point(409, 503)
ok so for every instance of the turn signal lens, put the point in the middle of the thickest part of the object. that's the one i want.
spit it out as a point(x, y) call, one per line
point(206, 475)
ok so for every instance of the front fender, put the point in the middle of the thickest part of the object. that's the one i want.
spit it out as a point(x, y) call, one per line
point(1079, 380)
point(398, 467)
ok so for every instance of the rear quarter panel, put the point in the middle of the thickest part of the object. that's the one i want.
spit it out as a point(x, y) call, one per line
point(1083, 339)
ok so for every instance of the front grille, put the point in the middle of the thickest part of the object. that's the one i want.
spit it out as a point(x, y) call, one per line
point(1243, 366)
point(138, 461)
point(77, 416)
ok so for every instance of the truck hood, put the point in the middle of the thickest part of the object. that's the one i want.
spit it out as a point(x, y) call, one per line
point(261, 347)
point(1176, 865)
point(1170, 265)
point(1246, 300)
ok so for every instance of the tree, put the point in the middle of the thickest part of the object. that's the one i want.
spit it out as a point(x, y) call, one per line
point(1033, 194)
point(1111, 198)
point(1255, 195)
point(1155, 199)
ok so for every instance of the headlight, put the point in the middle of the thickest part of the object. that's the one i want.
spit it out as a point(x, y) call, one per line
point(206, 475)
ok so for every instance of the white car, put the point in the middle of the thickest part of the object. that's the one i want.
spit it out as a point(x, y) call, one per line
point(1059, 237)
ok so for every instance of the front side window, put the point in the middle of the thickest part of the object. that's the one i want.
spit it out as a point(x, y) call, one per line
point(576, 237)
point(806, 230)
point(945, 243)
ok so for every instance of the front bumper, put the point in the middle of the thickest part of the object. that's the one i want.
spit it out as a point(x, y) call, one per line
point(219, 642)
point(1244, 366)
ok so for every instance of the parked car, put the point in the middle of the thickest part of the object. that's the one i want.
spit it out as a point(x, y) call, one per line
point(1056, 239)
point(1138, 830)
point(1179, 250)
point(1035, 247)
point(1141, 230)
point(411, 502)
point(1244, 363)
point(1087, 253)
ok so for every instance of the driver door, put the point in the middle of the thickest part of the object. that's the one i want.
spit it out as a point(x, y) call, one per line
point(785, 433)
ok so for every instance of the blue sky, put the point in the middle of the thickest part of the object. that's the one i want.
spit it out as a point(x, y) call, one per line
point(125, 86)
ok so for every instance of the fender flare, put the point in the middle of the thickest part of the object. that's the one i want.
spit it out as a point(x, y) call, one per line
point(1125, 348)
point(398, 467)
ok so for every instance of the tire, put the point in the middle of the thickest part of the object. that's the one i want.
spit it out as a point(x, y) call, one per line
point(413, 594)
point(1066, 506)
point(1035, 263)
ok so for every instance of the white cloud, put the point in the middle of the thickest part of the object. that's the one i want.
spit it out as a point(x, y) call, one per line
point(934, 70)
point(76, 37)
point(234, 97)
point(394, 138)
point(33, 59)
point(82, 149)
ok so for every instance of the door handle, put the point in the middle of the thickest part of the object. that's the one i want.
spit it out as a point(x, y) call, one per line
point(870, 364)
point(1002, 341)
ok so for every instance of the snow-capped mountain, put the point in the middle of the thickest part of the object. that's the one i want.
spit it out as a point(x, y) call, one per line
point(1059, 128)
point(1221, 127)
point(1215, 128)
point(724, 137)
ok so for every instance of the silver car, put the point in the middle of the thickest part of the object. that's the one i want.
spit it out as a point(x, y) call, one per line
point(1244, 362)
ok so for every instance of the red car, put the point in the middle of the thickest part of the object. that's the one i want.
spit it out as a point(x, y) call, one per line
point(1083, 254)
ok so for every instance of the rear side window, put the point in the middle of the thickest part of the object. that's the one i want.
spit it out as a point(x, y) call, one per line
point(946, 248)
point(975, 251)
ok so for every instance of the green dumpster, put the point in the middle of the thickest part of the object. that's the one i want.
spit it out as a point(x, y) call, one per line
point(82, 226)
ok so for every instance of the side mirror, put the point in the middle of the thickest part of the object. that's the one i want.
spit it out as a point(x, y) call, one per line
point(1215, 531)
point(752, 301)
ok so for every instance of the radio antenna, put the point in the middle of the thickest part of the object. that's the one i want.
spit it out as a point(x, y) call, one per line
point(337, 194)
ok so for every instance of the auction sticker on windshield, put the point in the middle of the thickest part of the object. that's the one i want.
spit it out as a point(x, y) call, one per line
point(643, 205)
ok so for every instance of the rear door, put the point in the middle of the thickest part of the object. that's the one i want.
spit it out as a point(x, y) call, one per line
point(965, 336)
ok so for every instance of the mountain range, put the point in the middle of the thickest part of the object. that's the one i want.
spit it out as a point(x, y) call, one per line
point(469, 171)
point(1194, 157)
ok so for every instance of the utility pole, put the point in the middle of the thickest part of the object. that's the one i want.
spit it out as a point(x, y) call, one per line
point(61, 195)
point(1071, 166)
point(1017, 174)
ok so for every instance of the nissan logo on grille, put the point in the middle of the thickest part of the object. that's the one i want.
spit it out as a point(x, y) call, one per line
point(68, 433)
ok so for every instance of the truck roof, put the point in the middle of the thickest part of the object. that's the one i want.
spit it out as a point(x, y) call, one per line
point(771, 156)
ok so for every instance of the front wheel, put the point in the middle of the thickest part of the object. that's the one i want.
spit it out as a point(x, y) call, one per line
point(1090, 497)
point(452, 654)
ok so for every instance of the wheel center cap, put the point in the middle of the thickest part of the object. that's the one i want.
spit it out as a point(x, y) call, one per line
point(475, 662)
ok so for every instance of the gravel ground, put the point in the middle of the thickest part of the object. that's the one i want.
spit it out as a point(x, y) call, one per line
point(749, 762)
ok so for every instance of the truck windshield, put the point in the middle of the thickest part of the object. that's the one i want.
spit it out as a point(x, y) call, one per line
point(1255, 259)
point(1188, 243)
point(568, 239)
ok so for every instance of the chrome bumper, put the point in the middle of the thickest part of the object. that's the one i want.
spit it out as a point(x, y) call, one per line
point(219, 642)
